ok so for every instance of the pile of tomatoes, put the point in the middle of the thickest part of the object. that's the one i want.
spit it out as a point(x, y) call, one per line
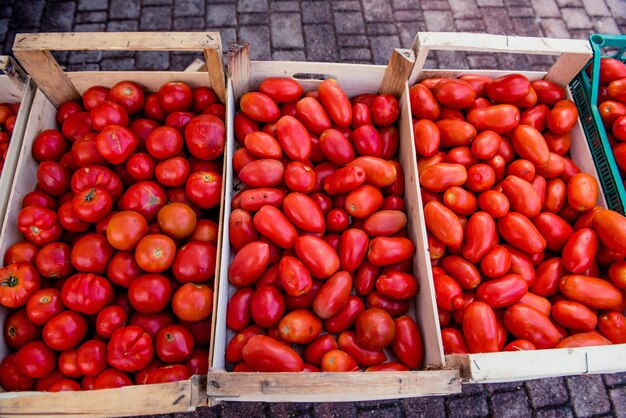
point(8, 115)
point(522, 258)
point(612, 107)
point(322, 263)
point(112, 284)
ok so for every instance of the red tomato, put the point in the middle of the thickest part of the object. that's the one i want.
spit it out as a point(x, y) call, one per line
point(175, 96)
point(375, 329)
point(454, 93)
point(195, 262)
point(480, 328)
point(294, 277)
point(407, 344)
point(333, 295)
point(116, 143)
point(582, 192)
point(508, 89)
point(267, 306)
point(335, 102)
point(11, 379)
point(423, 103)
point(266, 354)
point(548, 92)
point(453, 341)
point(480, 236)
point(19, 330)
point(205, 136)
point(91, 254)
point(130, 349)
point(363, 356)
point(123, 269)
point(49, 145)
point(591, 291)
point(150, 293)
point(109, 319)
point(203, 189)
point(562, 117)
point(259, 107)
point(443, 224)
point(385, 110)
point(389, 250)
point(174, 343)
point(518, 231)
point(18, 282)
point(580, 251)
point(531, 145)
point(35, 360)
point(87, 293)
point(145, 198)
point(92, 205)
point(574, 315)
point(585, 339)
point(65, 331)
point(317, 255)
point(613, 326)
point(281, 90)
point(455, 133)
point(503, 291)
point(299, 326)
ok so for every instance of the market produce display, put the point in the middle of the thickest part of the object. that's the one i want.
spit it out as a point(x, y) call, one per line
point(112, 284)
point(322, 265)
point(522, 258)
point(8, 115)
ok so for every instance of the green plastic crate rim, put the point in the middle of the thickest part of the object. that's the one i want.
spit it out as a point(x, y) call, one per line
point(585, 95)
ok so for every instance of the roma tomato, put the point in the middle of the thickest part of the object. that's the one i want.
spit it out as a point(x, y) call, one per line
point(389, 250)
point(554, 229)
point(317, 256)
point(585, 339)
point(348, 343)
point(464, 272)
point(313, 116)
point(503, 291)
point(611, 229)
point(613, 326)
point(259, 107)
point(508, 89)
point(453, 341)
point(580, 251)
point(250, 262)
point(480, 236)
point(562, 117)
point(238, 309)
point(523, 198)
point(335, 102)
point(480, 328)
point(267, 306)
point(346, 316)
point(529, 324)
point(500, 118)
point(352, 249)
point(423, 103)
point(333, 295)
point(454, 93)
point(574, 315)
point(496, 262)
point(582, 192)
point(443, 224)
point(407, 344)
point(303, 213)
point(548, 92)
point(530, 145)
point(266, 354)
point(591, 291)
point(455, 133)
point(519, 231)
point(281, 90)
point(272, 223)
point(440, 177)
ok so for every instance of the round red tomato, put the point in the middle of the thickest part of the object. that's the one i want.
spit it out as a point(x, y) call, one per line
point(175, 96)
point(174, 344)
point(49, 146)
point(69, 220)
point(112, 378)
point(18, 282)
point(168, 373)
point(127, 94)
point(173, 172)
point(375, 329)
point(65, 330)
point(116, 143)
point(53, 178)
point(141, 166)
point(155, 253)
point(93, 96)
point(43, 305)
point(92, 204)
point(108, 113)
point(177, 220)
point(35, 360)
point(145, 197)
point(76, 126)
point(11, 379)
point(150, 293)
point(195, 262)
point(123, 269)
point(85, 151)
point(193, 302)
point(53, 260)
point(152, 323)
point(202, 97)
point(24, 251)
point(125, 229)
point(109, 319)
point(130, 349)
point(205, 136)
point(19, 330)
point(67, 109)
point(87, 293)
point(91, 254)
point(92, 357)
point(203, 189)
point(164, 142)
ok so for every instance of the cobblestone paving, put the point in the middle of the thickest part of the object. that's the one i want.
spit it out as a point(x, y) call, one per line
point(361, 31)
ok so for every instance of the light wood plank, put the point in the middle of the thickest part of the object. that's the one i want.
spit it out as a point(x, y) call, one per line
point(127, 401)
point(239, 68)
point(215, 67)
point(398, 70)
point(330, 387)
point(14, 80)
point(48, 75)
point(150, 80)
point(118, 41)
point(566, 67)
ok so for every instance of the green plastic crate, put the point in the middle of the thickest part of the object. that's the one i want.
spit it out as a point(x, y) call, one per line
point(585, 93)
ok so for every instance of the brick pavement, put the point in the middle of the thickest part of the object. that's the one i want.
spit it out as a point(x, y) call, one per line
point(361, 31)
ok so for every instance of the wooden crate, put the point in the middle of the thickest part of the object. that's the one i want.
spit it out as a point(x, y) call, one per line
point(15, 87)
point(330, 387)
point(54, 88)
point(572, 57)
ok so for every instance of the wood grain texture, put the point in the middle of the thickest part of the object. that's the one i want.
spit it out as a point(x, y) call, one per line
point(239, 68)
point(397, 72)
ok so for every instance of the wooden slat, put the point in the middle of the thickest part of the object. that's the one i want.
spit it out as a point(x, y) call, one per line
point(48, 75)
point(398, 70)
point(574, 53)
point(215, 66)
point(330, 387)
point(127, 401)
point(118, 41)
point(150, 80)
point(15, 80)
point(239, 68)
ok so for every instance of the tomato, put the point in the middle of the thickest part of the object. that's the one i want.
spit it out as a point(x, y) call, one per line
point(519, 345)
point(49, 145)
point(91, 254)
point(259, 107)
point(116, 143)
point(333, 295)
point(126, 229)
point(203, 189)
point(145, 198)
point(266, 354)
point(175, 96)
point(174, 343)
point(454, 93)
point(503, 291)
point(150, 293)
point(586, 339)
point(92, 205)
point(427, 137)
point(205, 136)
point(385, 223)
point(375, 329)
point(335, 102)
point(361, 115)
point(241, 229)
point(108, 113)
point(299, 326)
point(179, 120)
point(480, 177)
point(363, 201)
point(109, 319)
point(536, 116)
point(68, 364)
point(19, 330)
point(238, 309)
point(574, 315)
point(198, 362)
point(53, 178)
point(172, 172)
point(540, 303)
point(617, 273)
point(527, 323)
point(508, 89)
point(97, 176)
point(267, 306)
point(519, 231)
point(317, 256)
point(423, 103)
point(610, 227)
point(443, 224)
point(155, 253)
point(397, 285)
point(394, 307)
point(249, 263)
point(548, 92)
point(453, 341)
point(314, 351)
point(530, 144)
point(110, 379)
point(312, 115)
point(35, 360)
point(345, 316)
point(408, 345)
point(91, 357)
point(85, 152)
point(378, 172)
point(385, 110)
point(168, 373)
point(43, 305)
point(613, 326)
point(442, 176)
point(480, 328)
point(521, 195)
point(235, 345)
point(363, 356)
point(580, 251)
point(294, 277)
point(480, 236)
point(18, 282)
point(153, 109)
point(195, 262)
point(87, 293)
point(554, 229)
point(93, 96)
point(619, 129)
point(464, 272)
point(271, 223)
point(389, 250)
point(123, 269)
point(53, 260)
point(611, 69)
point(76, 126)
point(11, 379)
point(64, 331)
point(591, 291)
point(130, 349)
point(127, 94)
point(494, 203)
point(582, 192)
point(562, 117)
point(24, 251)
point(205, 230)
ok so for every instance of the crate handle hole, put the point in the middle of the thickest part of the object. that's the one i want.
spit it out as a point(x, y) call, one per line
point(313, 76)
